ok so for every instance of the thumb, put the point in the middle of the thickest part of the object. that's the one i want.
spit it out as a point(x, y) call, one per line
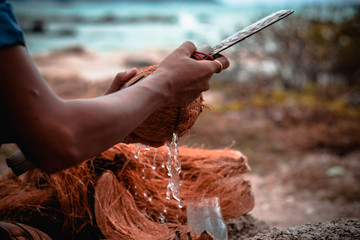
point(120, 79)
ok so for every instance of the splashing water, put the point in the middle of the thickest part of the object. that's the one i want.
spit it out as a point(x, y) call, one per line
point(173, 166)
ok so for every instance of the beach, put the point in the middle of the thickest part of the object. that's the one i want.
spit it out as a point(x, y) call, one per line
point(138, 26)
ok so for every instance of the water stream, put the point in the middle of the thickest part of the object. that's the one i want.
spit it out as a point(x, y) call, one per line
point(173, 166)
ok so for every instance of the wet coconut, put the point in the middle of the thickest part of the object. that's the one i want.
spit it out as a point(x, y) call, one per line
point(161, 125)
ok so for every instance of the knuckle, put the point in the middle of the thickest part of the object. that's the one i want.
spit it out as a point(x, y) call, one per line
point(189, 43)
point(207, 86)
point(119, 75)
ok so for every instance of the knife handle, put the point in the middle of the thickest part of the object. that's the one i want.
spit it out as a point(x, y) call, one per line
point(202, 53)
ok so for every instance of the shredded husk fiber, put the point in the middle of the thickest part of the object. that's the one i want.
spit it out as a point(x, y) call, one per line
point(109, 196)
point(160, 125)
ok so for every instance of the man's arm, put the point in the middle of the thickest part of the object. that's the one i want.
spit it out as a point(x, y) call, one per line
point(56, 134)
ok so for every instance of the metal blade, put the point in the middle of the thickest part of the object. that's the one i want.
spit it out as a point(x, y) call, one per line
point(248, 31)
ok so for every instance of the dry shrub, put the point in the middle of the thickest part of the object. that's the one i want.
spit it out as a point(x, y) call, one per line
point(111, 193)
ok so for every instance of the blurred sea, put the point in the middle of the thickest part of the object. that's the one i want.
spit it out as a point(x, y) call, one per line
point(137, 26)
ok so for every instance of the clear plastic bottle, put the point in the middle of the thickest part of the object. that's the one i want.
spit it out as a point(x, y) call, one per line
point(205, 214)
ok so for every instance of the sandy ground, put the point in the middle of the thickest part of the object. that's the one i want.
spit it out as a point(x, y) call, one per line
point(339, 229)
point(279, 207)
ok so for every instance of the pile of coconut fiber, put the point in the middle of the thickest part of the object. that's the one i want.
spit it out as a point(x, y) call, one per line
point(118, 196)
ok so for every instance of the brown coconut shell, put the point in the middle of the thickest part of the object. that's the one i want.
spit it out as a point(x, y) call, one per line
point(161, 125)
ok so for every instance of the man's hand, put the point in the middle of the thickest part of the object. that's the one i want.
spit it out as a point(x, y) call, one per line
point(180, 78)
point(185, 78)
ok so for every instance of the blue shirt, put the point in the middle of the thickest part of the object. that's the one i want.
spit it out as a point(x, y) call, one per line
point(10, 31)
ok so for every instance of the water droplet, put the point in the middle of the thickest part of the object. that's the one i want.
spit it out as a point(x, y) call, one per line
point(165, 211)
point(151, 198)
point(181, 204)
point(163, 165)
point(145, 194)
point(136, 156)
point(168, 193)
point(162, 218)
point(147, 148)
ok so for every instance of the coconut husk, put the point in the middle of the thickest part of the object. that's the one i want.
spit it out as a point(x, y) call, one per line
point(116, 213)
point(117, 196)
point(13, 230)
point(160, 125)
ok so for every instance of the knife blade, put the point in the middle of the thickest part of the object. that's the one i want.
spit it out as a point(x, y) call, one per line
point(246, 32)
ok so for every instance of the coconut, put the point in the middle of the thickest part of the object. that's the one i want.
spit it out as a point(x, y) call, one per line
point(161, 124)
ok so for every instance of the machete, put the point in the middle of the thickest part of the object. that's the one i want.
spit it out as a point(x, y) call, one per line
point(246, 32)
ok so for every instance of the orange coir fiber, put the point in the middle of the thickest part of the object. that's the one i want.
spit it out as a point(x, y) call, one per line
point(98, 198)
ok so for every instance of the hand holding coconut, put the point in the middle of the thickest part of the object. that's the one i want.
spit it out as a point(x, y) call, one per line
point(55, 134)
point(180, 80)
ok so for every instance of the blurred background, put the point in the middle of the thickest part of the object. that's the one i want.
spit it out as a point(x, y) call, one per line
point(290, 100)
